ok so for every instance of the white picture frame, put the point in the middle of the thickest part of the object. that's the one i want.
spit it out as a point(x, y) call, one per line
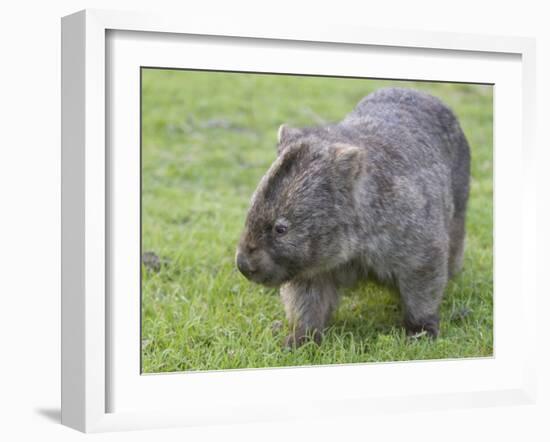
point(91, 320)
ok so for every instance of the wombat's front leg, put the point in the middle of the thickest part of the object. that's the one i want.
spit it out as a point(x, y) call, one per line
point(308, 305)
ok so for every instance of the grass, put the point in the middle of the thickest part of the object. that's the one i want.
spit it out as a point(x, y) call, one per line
point(207, 138)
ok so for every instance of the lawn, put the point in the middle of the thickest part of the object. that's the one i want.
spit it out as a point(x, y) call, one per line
point(207, 139)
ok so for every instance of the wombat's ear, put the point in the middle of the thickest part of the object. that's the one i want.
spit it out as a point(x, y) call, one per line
point(349, 160)
point(284, 135)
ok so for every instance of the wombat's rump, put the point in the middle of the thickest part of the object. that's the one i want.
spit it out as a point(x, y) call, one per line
point(383, 191)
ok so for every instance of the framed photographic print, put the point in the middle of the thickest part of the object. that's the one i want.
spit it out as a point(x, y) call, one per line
point(265, 223)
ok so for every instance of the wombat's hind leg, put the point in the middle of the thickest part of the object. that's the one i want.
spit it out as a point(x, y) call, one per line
point(308, 305)
point(421, 293)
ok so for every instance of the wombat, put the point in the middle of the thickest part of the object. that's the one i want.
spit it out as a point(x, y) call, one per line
point(383, 192)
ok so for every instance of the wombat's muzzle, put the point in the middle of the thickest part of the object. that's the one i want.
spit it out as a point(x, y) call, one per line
point(244, 266)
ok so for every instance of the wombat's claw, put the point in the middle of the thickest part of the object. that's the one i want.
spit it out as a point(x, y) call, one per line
point(292, 341)
point(428, 327)
point(418, 335)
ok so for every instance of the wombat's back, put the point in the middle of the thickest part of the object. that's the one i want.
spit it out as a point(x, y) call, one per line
point(419, 125)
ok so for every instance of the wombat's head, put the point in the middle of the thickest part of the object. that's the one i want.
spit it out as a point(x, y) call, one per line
point(302, 212)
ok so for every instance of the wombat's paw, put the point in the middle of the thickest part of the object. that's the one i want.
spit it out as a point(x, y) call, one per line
point(426, 327)
point(295, 340)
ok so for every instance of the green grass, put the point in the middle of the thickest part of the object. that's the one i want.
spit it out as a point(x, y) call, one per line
point(207, 138)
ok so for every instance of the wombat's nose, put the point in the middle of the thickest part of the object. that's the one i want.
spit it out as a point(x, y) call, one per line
point(244, 265)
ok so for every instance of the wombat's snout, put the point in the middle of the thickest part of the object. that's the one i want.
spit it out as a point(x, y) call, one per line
point(257, 266)
point(244, 265)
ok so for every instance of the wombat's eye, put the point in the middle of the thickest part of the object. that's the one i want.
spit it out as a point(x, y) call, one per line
point(280, 229)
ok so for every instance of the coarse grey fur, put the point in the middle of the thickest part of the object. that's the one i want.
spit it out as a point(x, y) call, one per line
point(383, 191)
